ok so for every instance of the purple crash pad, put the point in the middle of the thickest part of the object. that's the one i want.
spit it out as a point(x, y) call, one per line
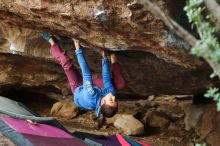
point(42, 134)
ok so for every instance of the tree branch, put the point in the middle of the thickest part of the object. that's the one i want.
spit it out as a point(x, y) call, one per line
point(180, 31)
point(169, 22)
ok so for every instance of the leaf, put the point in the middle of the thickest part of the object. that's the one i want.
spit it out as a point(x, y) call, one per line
point(212, 75)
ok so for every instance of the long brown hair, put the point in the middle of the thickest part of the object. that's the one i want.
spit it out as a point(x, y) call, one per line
point(108, 111)
point(101, 121)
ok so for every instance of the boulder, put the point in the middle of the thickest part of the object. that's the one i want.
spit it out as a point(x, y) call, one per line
point(213, 138)
point(129, 125)
point(117, 25)
point(209, 122)
point(152, 56)
point(193, 115)
point(64, 109)
point(205, 121)
point(112, 120)
point(157, 120)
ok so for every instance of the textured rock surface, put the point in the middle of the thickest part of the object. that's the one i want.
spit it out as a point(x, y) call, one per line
point(205, 121)
point(64, 109)
point(154, 61)
point(157, 119)
point(129, 125)
point(5, 141)
point(107, 24)
point(193, 116)
point(213, 138)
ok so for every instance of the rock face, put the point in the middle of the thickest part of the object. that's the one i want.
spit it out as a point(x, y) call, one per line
point(115, 25)
point(154, 61)
point(205, 121)
point(192, 117)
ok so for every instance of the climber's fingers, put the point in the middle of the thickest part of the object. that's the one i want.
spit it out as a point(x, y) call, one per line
point(76, 43)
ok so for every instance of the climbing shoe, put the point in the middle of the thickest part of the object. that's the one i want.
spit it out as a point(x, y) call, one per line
point(46, 36)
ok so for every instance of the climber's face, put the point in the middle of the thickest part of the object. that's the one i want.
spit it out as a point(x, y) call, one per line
point(109, 100)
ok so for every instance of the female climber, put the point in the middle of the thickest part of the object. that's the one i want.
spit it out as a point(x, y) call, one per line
point(98, 94)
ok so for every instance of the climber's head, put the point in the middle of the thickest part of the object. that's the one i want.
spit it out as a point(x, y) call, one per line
point(109, 105)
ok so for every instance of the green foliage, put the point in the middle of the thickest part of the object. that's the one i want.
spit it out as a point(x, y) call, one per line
point(200, 144)
point(212, 75)
point(194, 10)
point(208, 46)
point(214, 93)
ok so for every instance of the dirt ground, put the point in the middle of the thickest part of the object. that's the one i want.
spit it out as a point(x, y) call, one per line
point(173, 134)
